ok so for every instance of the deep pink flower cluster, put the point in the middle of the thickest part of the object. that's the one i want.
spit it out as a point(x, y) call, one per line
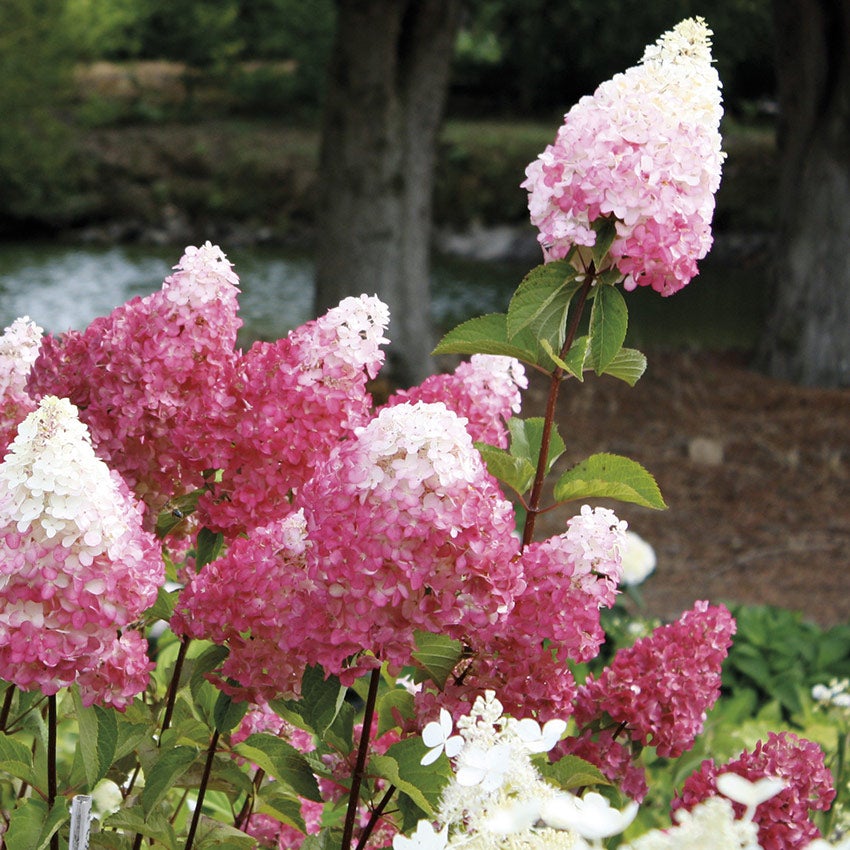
point(76, 568)
point(569, 579)
point(783, 820)
point(294, 400)
point(644, 149)
point(662, 687)
point(148, 374)
point(18, 351)
point(485, 390)
point(400, 529)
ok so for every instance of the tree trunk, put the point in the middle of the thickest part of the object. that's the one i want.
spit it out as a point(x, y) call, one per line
point(808, 335)
point(388, 82)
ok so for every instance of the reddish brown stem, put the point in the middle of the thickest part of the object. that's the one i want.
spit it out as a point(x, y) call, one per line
point(533, 508)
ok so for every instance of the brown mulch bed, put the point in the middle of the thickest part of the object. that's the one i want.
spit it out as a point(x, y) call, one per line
point(755, 473)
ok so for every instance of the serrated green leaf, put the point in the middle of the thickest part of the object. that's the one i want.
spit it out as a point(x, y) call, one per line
point(330, 838)
point(213, 833)
point(282, 761)
point(163, 608)
point(609, 320)
point(175, 511)
point(151, 825)
point(609, 476)
point(628, 365)
point(282, 806)
point(541, 302)
point(31, 824)
point(488, 335)
point(422, 783)
point(571, 772)
point(437, 654)
point(98, 739)
point(606, 233)
point(527, 440)
point(202, 664)
point(396, 701)
point(161, 778)
point(516, 472)
point(208, 547)
point(16, 760)
point(227, 712)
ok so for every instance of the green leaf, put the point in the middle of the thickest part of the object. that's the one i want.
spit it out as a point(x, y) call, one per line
point(16, 760)
point(208, 548)
point(150, 824)
point(175, 511)
point(576, 357)
point(527, 440)
point(280, 805)
point(570, 772)
point(213, 833)
point(227, 713)
point(161, 778)
point(606, 233)
point(98, 739)
point(628, 365)
point(609, 476)
point(396, 701)
point(330, 838)
point(282, 761)
point(542, 301)
point(163, 608)
point(31, 825)
point(437, 654)
point(516, 472)
point(488, 335)
point(609, 320)
point(202, 664)
point(402, 765)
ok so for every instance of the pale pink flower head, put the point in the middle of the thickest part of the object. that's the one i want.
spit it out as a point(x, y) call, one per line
point(661, 688)
point(76, 567)
point(644, 149)
point(485, 390)
point(783, 819)
point(18, 351)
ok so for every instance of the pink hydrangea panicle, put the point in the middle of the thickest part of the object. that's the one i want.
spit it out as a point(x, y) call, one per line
point(146, 376)
point(783, 820)
point(661, 687)
point(76, 567)
point(568, 579)
point(19, 346)
point(485, 390)
point(410, 532)
point(295, 400)
point(644, 149)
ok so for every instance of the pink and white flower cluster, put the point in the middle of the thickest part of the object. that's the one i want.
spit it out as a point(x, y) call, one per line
point(76, 567)
point(18, 351)
point(645, 150)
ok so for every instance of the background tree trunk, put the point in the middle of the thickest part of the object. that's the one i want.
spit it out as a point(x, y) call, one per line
point(387, 89)
point(807, 339)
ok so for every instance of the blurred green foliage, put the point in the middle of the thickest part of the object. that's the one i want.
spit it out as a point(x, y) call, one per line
point(35, 66)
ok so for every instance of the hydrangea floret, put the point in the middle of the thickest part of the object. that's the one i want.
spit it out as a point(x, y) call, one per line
point(19, 346)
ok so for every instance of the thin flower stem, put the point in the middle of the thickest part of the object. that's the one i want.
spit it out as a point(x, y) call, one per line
point(202, 790)
point(375, 817)
point(360, 766)
point(51, 762)
point(7, 707)
point(248, 805)
point(533, 508)
point(175, 684)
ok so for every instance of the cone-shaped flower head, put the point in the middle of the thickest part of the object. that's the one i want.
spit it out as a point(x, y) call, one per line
point(76, 568)
point(18, 351)
point(645, 150)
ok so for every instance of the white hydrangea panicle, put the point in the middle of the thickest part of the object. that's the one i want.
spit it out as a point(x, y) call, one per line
point(709, 826)
point(204, 274)
point(591, 816)
point(19, 346)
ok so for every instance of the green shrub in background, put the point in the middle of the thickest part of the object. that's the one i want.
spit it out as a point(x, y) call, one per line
point(36, 61)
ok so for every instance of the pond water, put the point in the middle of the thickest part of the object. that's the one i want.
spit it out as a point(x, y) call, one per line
point(64, 286)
